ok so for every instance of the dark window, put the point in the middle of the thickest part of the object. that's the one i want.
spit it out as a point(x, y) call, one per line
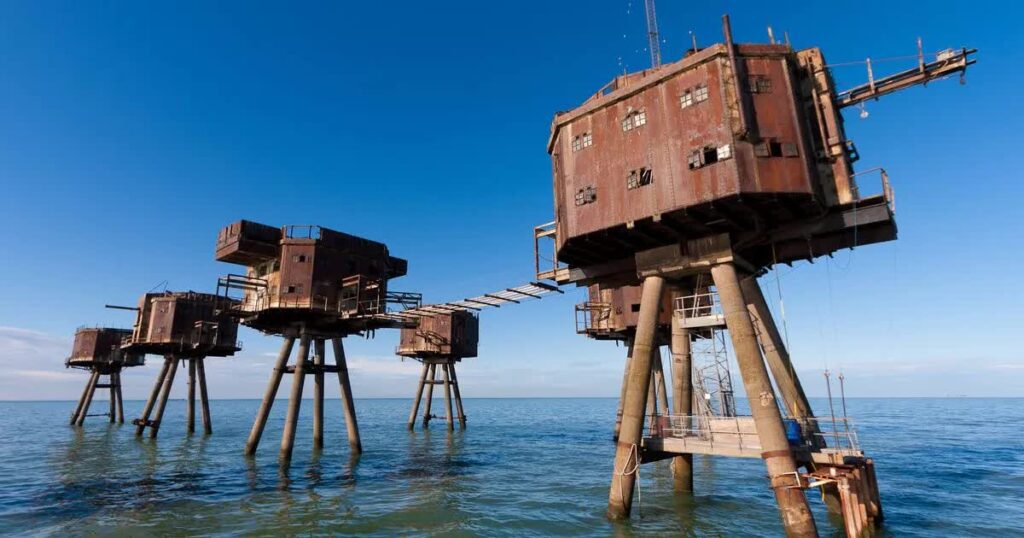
point(635, 307)
point(586, 195)
point(760, 84)
point(639, 178)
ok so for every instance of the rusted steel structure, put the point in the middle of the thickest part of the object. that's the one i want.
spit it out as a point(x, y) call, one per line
point(440, 341)
point(312, 284)
point(185, 328)
point(712, 169)
point(441, 335)
point(98, 349)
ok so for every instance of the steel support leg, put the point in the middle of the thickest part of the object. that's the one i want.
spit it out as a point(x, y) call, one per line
point(347, 402)
point(796, 515)
point(120, 400)
point(268, 397)
point(627, 450)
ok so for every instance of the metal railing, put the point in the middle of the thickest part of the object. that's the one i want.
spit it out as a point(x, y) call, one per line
point(593, 316)
point(887, 191)
point(826, 434)
point(698, 305)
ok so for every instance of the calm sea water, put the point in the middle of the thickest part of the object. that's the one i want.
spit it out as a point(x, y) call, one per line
point(946, 467)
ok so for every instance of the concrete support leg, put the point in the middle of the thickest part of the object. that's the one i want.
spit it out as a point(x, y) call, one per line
point(775, 352)
point(347, 401)
point(90, 389)
point(165, 393)
point(659, 377)
point(448, 418)
point(268, 397)
point(682, 400)
point(112, 414)
point(120, 400)
point(431, 380)
point(458, 396)
point(140, 423)
point(625, 383)
point(318, 393)
point(796, 515)
point(204, 398)
point(295, 401)
point(627, 449)
point(81, 401)
point(190, 418)
point(419, 396)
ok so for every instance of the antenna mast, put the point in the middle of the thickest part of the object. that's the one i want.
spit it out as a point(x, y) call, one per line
point(653, 42)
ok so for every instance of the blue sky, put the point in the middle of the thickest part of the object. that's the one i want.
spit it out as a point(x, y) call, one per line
point(131, 132)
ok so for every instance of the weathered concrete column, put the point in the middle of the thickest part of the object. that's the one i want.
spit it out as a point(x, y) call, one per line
point(165, 393)
point(659, 376)
point(796, 515)
point(625, 383)
point(777, 357)
point(419, 396)
point(458, 396)
point(775, 352)
point(120, 401)
point(682, 398)
point(295, 401)
point(347, 402)
point(81, 401)
point(449, 419)
point(431, 380)
point(190, 418)
point(141, 423)
point(113, 397)
point(627, 449)
point(86, 401)
point(268, 397)
point(204, 399)
point(318, 393)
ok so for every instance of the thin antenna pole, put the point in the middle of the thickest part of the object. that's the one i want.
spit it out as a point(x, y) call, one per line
point(693, 37)
point(653, 41)
point(771, 36)
point(831, 411)
point(842, 396)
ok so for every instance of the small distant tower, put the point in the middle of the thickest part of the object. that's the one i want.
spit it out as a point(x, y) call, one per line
point(182, 326)
point(314, 284)
point(439, 341)
point(99, 351)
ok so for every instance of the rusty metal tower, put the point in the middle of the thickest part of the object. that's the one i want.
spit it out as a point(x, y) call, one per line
point(712, 169)
point(312, 284)
point(185, 328)
point(98, 349)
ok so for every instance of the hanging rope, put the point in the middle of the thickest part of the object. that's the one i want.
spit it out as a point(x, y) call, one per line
point(634, 455)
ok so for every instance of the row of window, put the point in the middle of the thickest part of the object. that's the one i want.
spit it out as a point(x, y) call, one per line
point(584, 140)
point(692, 96)
point(634, 119)
point(702, 157)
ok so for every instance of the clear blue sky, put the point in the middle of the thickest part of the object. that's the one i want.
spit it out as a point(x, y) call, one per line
point(131, 132)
